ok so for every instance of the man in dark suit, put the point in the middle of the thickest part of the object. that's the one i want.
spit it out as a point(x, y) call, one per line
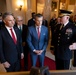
point(37, 40)
point(63, 38)
point(45, 23)
point(10, 44)
point(1, 22)
point(23, 30)
point(53, 23)
point(32, 20)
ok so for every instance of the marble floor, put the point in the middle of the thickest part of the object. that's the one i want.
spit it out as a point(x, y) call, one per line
point(48, 53)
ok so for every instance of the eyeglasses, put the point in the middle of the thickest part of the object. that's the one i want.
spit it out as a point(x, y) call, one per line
point(19, 20)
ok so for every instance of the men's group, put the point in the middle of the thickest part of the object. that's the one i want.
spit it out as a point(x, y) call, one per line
point(17, 40)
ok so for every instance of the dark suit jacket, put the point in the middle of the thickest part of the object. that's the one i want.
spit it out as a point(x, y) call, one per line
point(1, 24)
point(63, 38)
point(52, 24)
point(31, 22)
point(8, 50)
point(24, 32)
point(45, 23)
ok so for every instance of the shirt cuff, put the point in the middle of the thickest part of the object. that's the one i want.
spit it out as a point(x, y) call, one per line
point(34, 50)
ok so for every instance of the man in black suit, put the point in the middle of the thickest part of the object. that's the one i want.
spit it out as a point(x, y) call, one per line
point(11, 51)
point(23, 29)
point(53, 23)
point(1, 22)
point(31, 21)
point(45, 23)
point(63, 38)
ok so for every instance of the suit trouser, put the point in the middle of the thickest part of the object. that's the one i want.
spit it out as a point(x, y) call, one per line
point(26, 52)
point(74, 63)
point(14, 67)
point(62, 64)
point(40, 58)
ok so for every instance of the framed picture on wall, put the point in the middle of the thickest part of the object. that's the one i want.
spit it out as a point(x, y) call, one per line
point(54, 5)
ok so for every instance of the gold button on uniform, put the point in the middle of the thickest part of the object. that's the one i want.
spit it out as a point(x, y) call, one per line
point(59, 34)
point(68, 38)
point(58, 44)
point(58, 41)
point(58, 37)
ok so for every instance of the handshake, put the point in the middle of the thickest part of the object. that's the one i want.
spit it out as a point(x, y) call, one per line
point(73, 46)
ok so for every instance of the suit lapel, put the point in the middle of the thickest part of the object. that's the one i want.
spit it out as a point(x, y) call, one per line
point(8, 35)
point(66, 26)
point(41, 33)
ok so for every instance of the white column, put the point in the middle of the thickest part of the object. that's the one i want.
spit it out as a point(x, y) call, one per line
point(75, 8)
point(47, 10)
point(9, 5)
point(28, 11)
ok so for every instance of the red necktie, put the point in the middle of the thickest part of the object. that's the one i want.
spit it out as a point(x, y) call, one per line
point(38, 33)
point(13, 36)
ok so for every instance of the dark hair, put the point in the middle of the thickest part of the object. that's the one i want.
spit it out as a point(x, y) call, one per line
point(0, 14)
point(33, 13)
point(38, 15)
point(6, 14)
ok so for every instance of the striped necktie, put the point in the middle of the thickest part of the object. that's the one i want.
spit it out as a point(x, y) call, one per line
point(38, 32)
point(13, 36)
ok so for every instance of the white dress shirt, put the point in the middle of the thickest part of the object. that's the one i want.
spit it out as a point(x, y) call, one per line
point(8, 28)
point(39, 28)
point(66, 23)
point(20, 27)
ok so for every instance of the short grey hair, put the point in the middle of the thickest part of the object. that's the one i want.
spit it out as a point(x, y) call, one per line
point(6, 14)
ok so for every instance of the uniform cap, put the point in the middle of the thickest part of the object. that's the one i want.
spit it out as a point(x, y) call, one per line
point(65, 13)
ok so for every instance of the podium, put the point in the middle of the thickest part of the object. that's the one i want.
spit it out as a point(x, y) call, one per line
point(52, 72)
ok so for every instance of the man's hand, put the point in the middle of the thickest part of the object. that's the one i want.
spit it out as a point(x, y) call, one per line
point(38, 52)
point(6, 64)
point(22, 55)
point(73, 46)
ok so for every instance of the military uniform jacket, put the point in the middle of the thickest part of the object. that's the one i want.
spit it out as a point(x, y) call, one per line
point(63, 38)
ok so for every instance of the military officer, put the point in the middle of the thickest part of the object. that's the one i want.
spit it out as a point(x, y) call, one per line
point(63, 38)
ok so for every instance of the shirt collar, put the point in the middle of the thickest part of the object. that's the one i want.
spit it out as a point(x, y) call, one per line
point(8, 27)
point(38, 26)
point(66, 23)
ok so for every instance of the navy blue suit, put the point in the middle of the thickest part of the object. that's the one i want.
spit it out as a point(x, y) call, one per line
point(37, 44)
point(9, 51)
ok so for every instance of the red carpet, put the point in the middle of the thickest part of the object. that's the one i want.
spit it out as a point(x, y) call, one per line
point(50, 63)
point(47, 62)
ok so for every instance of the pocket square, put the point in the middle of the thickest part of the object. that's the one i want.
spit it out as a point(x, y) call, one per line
point(44, 34)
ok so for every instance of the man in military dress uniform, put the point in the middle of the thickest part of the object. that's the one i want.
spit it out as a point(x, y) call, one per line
point(63, 38)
